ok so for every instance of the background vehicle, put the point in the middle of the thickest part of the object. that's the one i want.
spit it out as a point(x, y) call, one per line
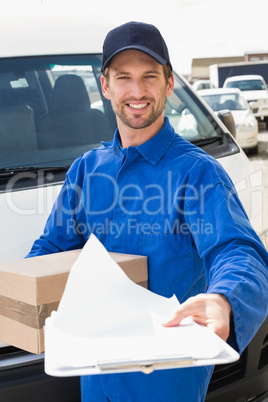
point(198, 85)
point(218, 73)
point(246, 123)
point(49, 86)
point(254, 90)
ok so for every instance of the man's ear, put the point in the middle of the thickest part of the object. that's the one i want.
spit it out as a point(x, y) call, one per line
point(170, 85)
point(105, 88)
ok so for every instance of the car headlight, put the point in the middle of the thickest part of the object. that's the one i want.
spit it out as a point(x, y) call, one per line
point(263, 101)
point(247, 125)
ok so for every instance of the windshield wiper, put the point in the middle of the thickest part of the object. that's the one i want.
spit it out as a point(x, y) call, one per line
point(8, 172)
point(206, 141)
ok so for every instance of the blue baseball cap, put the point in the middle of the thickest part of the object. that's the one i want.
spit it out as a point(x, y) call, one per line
point(136, 36)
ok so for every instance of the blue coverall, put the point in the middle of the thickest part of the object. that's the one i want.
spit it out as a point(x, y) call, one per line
point(170, 201)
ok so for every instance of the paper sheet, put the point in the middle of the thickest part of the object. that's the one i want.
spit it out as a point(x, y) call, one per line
point(105, 317)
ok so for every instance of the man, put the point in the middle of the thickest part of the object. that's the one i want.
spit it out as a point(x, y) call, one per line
point(147, 189)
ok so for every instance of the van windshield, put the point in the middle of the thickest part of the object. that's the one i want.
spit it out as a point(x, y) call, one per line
point(52, 110)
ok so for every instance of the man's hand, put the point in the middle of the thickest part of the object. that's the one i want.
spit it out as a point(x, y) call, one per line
point(212, 310)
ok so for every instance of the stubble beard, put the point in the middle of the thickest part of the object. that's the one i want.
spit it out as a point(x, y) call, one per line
point(137, 121)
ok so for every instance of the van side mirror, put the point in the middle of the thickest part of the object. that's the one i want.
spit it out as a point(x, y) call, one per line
point(228, 120)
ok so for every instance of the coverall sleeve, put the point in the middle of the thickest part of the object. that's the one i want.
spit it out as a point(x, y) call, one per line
point(235, 260)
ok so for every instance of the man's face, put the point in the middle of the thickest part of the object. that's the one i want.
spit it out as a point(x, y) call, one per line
point(137, 89)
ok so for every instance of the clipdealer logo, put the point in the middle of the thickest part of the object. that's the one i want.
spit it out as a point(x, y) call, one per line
point(31, 201)
point(151, 200)
point(132, 226)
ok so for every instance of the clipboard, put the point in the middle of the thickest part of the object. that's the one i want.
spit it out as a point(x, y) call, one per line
point(67, 355)
point(85, 336)
point(146, 366)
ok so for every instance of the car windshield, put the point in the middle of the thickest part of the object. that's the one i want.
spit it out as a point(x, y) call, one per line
point(52, 110)
point(247, 85)
point(225, 101)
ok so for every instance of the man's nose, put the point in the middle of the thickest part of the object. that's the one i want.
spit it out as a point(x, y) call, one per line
point(138, 89)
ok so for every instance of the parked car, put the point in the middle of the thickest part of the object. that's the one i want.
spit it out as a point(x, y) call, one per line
point(254, 89)
point(198, 85)
point(246, 124)
point(50, 70)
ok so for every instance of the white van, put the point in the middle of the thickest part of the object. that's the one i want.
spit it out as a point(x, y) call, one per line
point(51, 111)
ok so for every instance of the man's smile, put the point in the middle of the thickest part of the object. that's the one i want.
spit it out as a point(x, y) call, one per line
point(138, 106)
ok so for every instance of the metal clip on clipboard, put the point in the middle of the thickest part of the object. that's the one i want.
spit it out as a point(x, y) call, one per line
point(147, 366)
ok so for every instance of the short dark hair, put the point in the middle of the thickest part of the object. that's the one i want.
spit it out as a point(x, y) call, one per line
point(167, 72)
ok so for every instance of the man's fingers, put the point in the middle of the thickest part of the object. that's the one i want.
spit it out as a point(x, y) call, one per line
point(174, 320)
point(185, 310)
point(211, 310)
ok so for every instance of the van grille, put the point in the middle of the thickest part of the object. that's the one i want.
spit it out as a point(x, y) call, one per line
point(264, 354)
point(226, 373)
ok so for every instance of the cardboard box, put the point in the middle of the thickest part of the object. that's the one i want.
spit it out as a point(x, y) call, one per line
point(30, 289)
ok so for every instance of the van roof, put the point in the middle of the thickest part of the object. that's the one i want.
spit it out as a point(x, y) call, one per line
point(48, 35)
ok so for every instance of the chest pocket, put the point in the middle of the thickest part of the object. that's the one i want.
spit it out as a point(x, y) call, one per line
point(170, 263)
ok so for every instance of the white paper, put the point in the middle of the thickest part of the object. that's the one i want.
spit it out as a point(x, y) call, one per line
point(104, 316)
